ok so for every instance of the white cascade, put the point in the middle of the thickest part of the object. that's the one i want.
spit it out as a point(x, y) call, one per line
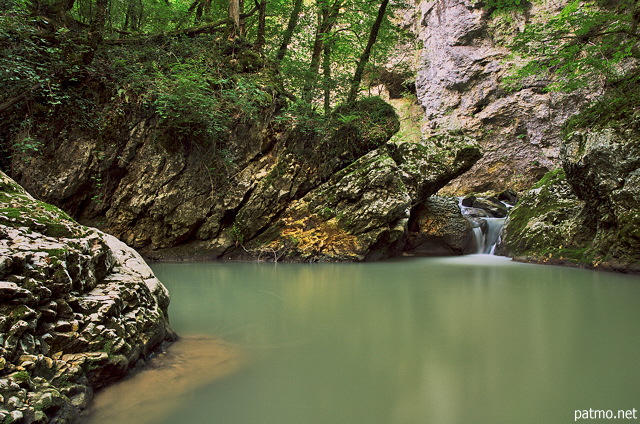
point(486, 230)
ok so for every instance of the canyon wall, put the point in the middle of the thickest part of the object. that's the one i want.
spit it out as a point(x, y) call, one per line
point(459, 75)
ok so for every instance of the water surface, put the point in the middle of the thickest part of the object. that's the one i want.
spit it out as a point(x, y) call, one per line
point(467, 340)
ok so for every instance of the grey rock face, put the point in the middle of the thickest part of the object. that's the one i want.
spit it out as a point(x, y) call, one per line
point(79, 308)
point(458, 84)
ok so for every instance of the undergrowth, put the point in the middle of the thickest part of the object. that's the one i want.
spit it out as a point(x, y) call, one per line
point(618, 108)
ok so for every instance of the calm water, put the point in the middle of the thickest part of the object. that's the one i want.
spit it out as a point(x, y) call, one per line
point(468, 340)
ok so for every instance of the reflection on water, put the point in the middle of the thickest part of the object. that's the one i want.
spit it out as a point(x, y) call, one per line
point(187, 365)
point(476, 339)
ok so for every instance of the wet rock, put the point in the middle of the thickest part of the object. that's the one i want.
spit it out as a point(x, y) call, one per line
point(437, 228)
point(493, 206)
point(509, 197)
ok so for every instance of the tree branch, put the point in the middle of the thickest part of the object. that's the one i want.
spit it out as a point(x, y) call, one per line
point(8, 103)
point(208, 28)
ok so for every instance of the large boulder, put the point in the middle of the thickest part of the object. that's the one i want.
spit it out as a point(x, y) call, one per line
point(438, 228)
point(603, 167)
point(598, 228)
point(363, 211)
point(546, 224)
point(78, 310)
point(181, 199)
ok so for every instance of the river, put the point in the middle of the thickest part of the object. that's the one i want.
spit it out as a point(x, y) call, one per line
point(466, 340)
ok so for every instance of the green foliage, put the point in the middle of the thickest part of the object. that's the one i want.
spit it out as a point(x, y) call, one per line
point(20, 377)
point(236, 233)
point(199, 88)
point(619, 107)
point(550, 178)
point(586, 43)
point(200, 108)
point(302, 116)
point(368, 123)
point(505, 5)
point(62, 78)
point(186, 105)
point(341, 137)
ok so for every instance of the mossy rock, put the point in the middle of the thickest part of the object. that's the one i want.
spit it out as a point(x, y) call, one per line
point(19, 209)
point(547, 219)
point(362, 126)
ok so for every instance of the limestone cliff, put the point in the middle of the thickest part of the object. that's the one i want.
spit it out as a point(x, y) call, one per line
point(78, 309)
point(459, 86)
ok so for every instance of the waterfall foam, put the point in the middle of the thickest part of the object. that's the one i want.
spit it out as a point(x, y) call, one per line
point(486, 229)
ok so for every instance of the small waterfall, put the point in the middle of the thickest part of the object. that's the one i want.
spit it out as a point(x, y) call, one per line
point(479, 237)
point(492, 236)
point(486, 229)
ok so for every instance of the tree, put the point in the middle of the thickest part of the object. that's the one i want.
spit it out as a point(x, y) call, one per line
point(327, 18)
point(288, 33)
point(234, 16)
point(586, 43)
point(364, 59)
point(262, 23)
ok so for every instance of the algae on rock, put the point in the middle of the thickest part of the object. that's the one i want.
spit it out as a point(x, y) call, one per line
point(551, 224)
point(365, 208)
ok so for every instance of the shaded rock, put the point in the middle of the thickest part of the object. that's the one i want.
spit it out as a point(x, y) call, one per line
point(493, 206)
point(437, 228)
point(552, 224)
point(198, 200)
point(603, 168)
point(330, 182)
point(468, 201)
point(12, 293)
point(546, 217)
point(363, 211)
point(508, 196)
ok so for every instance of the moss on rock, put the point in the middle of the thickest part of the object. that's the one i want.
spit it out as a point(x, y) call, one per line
point(550, 224)
point(63, 288)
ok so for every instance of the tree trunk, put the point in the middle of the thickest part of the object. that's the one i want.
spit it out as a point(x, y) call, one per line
point(327, 17)
point(373, 35)
point(242, 19)
point(288, 33)
point(262, 23)
point(326, 72)
point(234, 16)
point(100, 18)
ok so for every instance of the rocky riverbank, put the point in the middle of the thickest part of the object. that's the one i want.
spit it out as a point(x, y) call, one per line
point(586, 214)
point(78, 310)
point(324, 188)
